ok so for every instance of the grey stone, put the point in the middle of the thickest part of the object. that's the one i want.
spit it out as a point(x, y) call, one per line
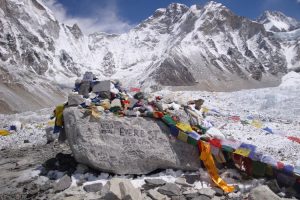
point(155, 182)
point(219, 191)
point(102, 86)
point(216, 198)
point(75, 100)
point(62, 184)
point(191, 195)
point(105, 95)
point(181, 181)
point(81, 169)
point(126, 145)
point(146, 197)
point(46, 186)
point(93, 187)
point(169, 189)
point(31, 188)
point(262, 193)
point(191, 179)
point(156, 195)
point(181, 197)
point(84, 89)
point(207, 192)
point(235, 196)
point(120, 189)
point(202, 197)
point(88, 76)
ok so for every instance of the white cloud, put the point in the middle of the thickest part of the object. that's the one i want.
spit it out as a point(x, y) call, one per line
point(104, 19)
point(298, 1)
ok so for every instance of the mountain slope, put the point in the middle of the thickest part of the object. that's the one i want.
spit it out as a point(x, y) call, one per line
point(286, 31)
point(195, 47)
point(278, 22)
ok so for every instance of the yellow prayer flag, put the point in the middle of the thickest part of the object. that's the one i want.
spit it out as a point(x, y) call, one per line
point(51, 123)
point(243, 152)
point(4, 132)
point(257, 124)
point(209, 163)
point(95, 113)
point(184, 127)
point(182, 136)
point(205, 110)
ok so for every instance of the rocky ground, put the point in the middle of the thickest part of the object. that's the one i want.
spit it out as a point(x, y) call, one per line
point(32, 169)
point(50, 172)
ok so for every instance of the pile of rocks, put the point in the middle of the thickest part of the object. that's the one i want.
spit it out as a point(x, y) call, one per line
point(105, 132)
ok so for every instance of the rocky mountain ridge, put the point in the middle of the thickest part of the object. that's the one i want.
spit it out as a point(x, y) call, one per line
point(199, 47)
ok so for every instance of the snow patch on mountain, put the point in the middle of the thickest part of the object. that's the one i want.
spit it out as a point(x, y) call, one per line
point(278, 22)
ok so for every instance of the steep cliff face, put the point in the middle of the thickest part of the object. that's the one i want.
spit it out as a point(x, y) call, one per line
point(201, 47)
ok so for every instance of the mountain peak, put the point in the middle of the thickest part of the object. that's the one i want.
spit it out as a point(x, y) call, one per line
point(177, 6)
point(213, 4)
point(276, 21)
point(175, 9)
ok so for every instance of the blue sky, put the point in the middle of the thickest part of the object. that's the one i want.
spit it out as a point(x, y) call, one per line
point(120, 15)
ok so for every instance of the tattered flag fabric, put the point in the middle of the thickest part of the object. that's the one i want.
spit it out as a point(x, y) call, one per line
point(243, 152)
point(269, 130)
point(235, 118)
point(258, 168)
point(257, 124)
point(4, 132)
point(269, 160)
point(174, 130)
point(168, 120)
point(184, 127)
point(182, 136)
point(208, 161)
point(294, 139)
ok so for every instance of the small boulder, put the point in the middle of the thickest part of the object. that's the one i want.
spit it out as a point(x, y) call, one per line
point(126, 145)
point(202, 197)
point(191, 195)
point(191, 179)
point(169, 189)
point(207, 192)
point(62, 184)
point(96, 187)
point(84, 88)
point(102, 86)
point(262, 193)
point(156, 195)
point(119, 189)
point(75, 100)
point(181, 181)
point(153, 183)
point(219, 191)
point(181, 197)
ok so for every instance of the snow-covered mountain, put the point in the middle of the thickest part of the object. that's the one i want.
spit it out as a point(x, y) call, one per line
point(286, 31)
point(277, 22)
point(198, 47)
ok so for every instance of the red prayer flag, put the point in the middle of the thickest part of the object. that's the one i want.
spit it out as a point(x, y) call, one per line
point(135, 89)
point(294, 139)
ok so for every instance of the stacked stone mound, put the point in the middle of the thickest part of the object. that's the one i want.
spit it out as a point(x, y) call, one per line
point(125, 145)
